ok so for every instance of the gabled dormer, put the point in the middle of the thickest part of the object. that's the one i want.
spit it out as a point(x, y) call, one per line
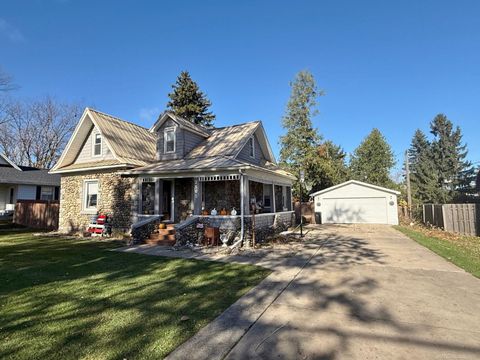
point(256, 148)
point(176, 136)
point(101, 141)
point(94, 148)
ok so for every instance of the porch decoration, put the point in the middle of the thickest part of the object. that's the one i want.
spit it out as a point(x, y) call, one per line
point(224, 238)
point(205, 212)
point(233, 212)
point(214, 212)
point(223, 212)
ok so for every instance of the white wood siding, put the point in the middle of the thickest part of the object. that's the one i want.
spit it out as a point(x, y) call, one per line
point(355, 203)
point(3, 196)
point(86, 155)
point(26, 192)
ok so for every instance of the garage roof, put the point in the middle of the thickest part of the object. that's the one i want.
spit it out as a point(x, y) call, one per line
point(358, 183)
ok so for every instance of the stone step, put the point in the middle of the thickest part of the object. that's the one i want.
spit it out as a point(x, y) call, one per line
point(164, 232)
point(161, 237)
point(160, 242)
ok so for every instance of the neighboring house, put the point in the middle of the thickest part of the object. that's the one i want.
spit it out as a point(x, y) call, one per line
point(24, 183)
point(356, 202)
point(175, 169)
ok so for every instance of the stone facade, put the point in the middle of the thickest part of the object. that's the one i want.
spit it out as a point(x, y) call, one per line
point(265, 226)
point(115, 199)
point(183, 198)
point(222, 195)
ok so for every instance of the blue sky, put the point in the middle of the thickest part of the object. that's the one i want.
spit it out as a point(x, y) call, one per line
point(387, 64)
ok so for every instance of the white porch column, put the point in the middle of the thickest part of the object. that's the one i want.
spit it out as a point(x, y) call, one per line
point(157, 196)
point(274, 205)
point(246, 194)
point(172, 201)
point(197, 196)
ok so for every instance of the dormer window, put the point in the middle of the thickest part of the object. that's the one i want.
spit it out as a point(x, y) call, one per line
point(251, 147)
point(169, 140)
point(97, 145)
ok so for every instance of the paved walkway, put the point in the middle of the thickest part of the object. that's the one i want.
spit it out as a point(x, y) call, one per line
point(352, 292)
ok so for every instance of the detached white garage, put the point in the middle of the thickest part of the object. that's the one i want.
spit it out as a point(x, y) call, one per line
point(356, 202)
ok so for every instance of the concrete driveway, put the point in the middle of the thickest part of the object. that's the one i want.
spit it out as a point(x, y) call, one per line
point(352, 292)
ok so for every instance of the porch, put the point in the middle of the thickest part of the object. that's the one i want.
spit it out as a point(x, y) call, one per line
point(177, 198)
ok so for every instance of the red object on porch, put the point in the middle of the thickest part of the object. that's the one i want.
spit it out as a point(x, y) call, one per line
point(212, 236)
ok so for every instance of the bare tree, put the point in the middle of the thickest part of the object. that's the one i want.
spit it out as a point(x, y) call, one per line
point(6, 85)
point(36, 132)
point(6, 82)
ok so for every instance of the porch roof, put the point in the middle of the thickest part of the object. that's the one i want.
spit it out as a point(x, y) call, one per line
point(206, 164)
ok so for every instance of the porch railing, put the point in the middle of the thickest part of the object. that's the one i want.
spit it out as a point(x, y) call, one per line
point(143, 228)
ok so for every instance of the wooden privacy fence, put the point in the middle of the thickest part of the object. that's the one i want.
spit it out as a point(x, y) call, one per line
point(38, 214)
point(308, 212)
point(459, 218)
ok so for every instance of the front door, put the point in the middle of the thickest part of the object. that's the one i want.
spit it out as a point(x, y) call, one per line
point(167, 199)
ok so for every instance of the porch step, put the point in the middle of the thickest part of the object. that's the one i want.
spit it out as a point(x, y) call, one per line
point(160, 242)
point(163, 237)
point(168, 231)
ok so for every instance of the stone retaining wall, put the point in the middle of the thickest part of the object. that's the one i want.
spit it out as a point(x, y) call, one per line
point(115, 199)
point(265, 226)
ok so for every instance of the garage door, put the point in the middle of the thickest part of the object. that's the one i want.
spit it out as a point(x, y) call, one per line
point(367, 210)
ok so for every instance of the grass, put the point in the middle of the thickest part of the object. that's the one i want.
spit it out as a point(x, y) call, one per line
point(463, 251)
point(74, 299)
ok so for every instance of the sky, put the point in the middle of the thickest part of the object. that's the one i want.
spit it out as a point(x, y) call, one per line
point(392, 65)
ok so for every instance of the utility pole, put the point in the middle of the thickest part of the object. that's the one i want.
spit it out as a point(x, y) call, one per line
point(302, 179)
point(409, 190)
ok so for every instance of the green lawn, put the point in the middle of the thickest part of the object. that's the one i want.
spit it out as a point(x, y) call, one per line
point(75, 299)
point(463, 251)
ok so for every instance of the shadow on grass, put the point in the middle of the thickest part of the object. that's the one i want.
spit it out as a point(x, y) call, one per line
point(65, 298)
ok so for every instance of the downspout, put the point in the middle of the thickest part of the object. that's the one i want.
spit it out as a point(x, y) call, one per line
point(242, 206)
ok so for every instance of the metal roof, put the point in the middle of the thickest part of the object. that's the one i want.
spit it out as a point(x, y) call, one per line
point(226, 141)
point(183, 123)
point(130, 143)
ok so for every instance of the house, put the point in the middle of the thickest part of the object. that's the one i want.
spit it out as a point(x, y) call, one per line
point(176, 171)
point(24, 183)
point(356, 202)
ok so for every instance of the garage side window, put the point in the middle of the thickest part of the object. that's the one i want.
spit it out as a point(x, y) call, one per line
point(90, 195)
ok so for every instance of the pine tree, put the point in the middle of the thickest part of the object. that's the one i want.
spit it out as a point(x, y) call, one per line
point(372, 160)
point(455, 172)
point(189, 102)
point(424, 176)
point(330, 168)
point(299, 144)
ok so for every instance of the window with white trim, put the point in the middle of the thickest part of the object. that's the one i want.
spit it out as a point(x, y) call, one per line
point(97, 145)
point(47, 193)
point(251, 147)
point(169, 140)
point(90, 195)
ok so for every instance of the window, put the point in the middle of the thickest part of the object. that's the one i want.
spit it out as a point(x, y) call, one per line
point(251, 147)
point(47, 193)
point(12, 193)
point(169, 138)
point(97, 145)
point(90, 197)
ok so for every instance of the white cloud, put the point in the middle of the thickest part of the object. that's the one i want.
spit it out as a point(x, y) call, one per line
point(10, 32)
point(149, 114)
